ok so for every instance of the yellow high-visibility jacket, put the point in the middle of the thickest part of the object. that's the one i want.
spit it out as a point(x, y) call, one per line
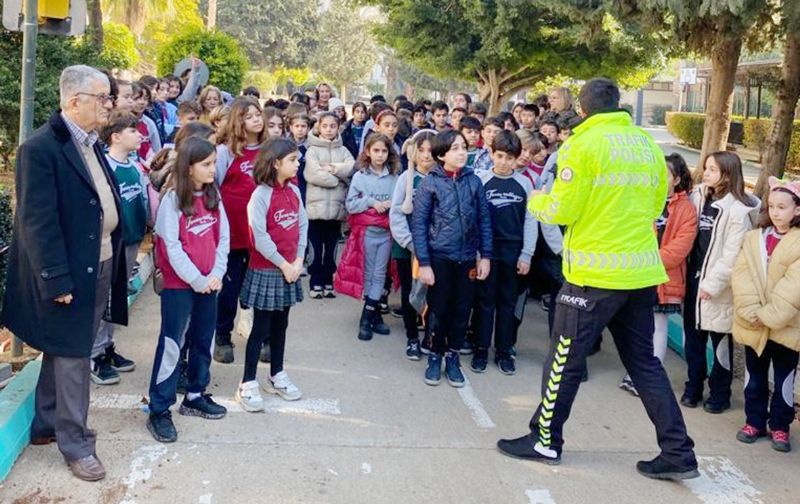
point(610, 188)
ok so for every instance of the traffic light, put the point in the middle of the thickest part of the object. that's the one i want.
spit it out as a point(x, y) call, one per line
point(54, 17)
point(53, 9)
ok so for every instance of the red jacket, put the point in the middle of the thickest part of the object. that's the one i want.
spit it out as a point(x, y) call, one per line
point(349, 279)
point(676, 244)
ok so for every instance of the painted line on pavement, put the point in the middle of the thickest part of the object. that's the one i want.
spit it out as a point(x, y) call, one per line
point(141, 468)
point(271, 404)
point(476, 409)
point(539, 496)
point(721, 481)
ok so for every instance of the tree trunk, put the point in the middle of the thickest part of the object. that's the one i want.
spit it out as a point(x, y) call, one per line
point(724, 59)
point(211, 22)
point(780, 134)
point(94, 30)
point(343, 93)
point(489, 91)
point(134, 17)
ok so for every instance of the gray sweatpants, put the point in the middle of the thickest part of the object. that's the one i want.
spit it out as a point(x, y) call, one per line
point(377, 250)
point(105, 334)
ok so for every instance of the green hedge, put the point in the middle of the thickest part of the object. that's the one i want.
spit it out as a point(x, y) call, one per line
point(756, 132)
point(687, 127)
point(6, 224)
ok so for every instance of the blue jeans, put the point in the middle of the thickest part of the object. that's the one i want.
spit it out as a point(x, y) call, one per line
point(178, 308)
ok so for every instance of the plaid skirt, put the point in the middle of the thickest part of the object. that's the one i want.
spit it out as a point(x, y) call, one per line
point(266, 289)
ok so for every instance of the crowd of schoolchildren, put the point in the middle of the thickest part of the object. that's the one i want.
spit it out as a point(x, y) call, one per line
point(247, 196)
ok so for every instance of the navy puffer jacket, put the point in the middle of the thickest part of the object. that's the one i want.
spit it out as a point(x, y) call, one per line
point(451, 218)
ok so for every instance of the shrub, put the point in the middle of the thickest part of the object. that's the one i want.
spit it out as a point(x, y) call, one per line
point(226, 60)
point(119, 46)
point(6, 224)
point(658, 116)
point(687, 127)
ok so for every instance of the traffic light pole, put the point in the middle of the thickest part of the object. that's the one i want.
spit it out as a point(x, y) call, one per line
point(30, 30)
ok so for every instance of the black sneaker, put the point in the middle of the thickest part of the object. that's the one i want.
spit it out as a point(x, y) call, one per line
point(524, 448)
point(118, 362)
point(162, 428)
point(480, 359)
point(315, 292)
point(467, 348)
point(397, 312)
point(658, 468)
point(183, 377)
point(505, 364)
point(223, 352)
point(452, 369)
point(266, 353)
point(689, 401)
point(412, 350)
point(102, 371)
point(377, 325)
point(202, 407)
point(433, 375)
point(328, 292)
point(716, 408)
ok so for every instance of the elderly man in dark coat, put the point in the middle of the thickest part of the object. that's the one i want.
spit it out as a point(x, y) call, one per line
point(66, 270)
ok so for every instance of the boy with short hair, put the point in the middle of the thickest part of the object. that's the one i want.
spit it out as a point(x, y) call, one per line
point(528, 116)
point(123, 139)
point(439, 112)
point(419, 119)
point(479, 111)
point(188, 111)
point(450, 227)
point(456, 116)
point(490, 129)
point(471, 129)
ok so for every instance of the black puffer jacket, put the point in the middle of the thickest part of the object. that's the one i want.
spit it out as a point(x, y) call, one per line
point(451, 218)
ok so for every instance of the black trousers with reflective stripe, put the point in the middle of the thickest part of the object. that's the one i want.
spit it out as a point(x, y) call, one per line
point(581, 315)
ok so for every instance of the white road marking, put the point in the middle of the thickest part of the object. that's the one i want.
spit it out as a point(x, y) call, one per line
point(333, 472)
point(539, 496)
point(272, 404)
point(366, 468)
point(476, 409)
point(204, 499)
point(721, 481)
point(144, 459)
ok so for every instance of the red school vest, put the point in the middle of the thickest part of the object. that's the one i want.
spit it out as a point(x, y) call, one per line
point(236, 190)
point(283, 227)
point(199, 236)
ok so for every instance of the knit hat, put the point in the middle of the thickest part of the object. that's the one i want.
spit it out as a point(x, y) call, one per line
point(792, 186)
point(335, 103)
point(410, 150)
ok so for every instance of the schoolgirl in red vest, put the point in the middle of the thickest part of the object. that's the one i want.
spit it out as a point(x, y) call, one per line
point(278, 235)
point(192, 250)
point(236, 158)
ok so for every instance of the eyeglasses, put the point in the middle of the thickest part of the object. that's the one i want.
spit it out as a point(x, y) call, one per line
point(101, 97)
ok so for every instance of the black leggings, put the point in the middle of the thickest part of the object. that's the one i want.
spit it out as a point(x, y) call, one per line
point(266, 324)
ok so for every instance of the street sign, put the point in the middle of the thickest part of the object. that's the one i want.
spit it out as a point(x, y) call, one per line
point(55, 17)
point(688, 76)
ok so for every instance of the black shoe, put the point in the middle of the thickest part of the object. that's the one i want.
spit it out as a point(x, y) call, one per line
point(480, 359)
point(183, 377)
point(523, 448)
point(162, 428)
point(315, 292)
point(433, 374)
point(202, 407)
point(102, 372)
point(452, 369)
point(716, 408)
point(266, 353)
point(396, 312)
point(364, 325)
point(658, 468)
point(585, 376)
point(467, 348)
point(506, 365)
point(412, 350)
point(378, 325)
point(689, 401)
point(223, 352)
point(328, 292)
point(118, 362)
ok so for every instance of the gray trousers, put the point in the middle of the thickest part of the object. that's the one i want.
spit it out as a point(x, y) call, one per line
point(105, 332)
point(377, 250)
point(62, 393)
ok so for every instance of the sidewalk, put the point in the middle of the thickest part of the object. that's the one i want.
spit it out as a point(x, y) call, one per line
point(368, 430)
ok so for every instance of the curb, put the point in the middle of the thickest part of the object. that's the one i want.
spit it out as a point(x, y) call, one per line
point(17, 399)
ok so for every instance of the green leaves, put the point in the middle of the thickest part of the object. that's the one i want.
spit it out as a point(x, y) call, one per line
point(119, 46)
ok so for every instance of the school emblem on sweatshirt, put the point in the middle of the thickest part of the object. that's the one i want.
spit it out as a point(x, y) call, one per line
point(247, 167)
point(199, 226)
point(501, 198)
point(285, 218)
point(129, 192)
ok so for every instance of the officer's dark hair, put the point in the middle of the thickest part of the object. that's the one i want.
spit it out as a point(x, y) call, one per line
point(469, 123)
point(599, 95)
point(680, 171)
point(508, 142)
point(531, 107)
point(439, 105)
point(441, 143)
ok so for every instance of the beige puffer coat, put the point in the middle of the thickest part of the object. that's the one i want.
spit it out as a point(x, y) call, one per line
point(326, 190)
point(770, 290)
point(733, 221)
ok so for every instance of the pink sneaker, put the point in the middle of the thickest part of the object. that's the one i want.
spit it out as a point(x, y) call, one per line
point(750, 434)
point(780, 441)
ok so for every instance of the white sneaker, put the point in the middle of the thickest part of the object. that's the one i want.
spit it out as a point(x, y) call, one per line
point(245, 325)
point(281, 385)
point(249, 397)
